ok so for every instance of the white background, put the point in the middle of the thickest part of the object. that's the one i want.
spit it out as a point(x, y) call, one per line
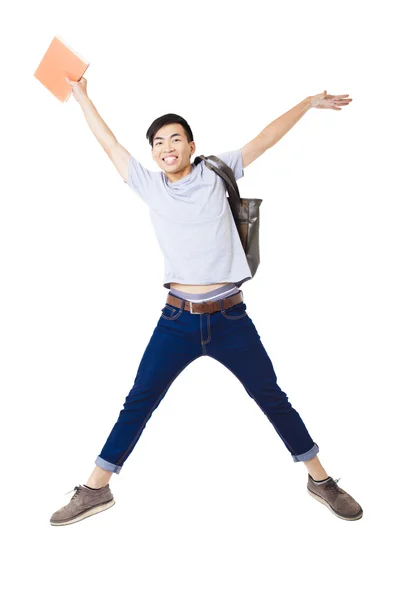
point(210, 503)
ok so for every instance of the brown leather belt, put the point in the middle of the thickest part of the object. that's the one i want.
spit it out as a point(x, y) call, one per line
point(205, 306)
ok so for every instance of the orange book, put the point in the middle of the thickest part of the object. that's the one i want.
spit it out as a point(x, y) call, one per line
point(59, 62)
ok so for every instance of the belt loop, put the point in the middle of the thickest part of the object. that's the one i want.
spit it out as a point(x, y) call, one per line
point(221, 304)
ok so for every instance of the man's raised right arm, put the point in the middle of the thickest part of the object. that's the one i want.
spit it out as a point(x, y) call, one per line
point(117, 153)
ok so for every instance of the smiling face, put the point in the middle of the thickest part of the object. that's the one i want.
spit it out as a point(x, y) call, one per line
point(171, 141)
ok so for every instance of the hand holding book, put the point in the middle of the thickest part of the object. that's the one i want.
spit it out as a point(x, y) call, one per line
point(59, 62)
point(61, 72)
point(79, 88)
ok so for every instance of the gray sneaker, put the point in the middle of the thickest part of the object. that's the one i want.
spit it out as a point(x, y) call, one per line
point(335, 498)
point(84, 503)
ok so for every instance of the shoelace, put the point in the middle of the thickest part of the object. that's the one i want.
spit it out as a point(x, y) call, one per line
point(76, 489)
point(332, 485)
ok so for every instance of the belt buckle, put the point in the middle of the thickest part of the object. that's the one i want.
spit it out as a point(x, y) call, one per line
point(191, 304)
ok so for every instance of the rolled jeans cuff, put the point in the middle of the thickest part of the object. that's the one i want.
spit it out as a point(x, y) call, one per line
point(306, 455)
point(107, 466)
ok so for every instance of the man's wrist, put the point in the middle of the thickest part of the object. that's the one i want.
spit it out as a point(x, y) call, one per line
point(308, 102)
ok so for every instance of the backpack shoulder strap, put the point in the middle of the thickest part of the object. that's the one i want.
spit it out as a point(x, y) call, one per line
point(223, 171)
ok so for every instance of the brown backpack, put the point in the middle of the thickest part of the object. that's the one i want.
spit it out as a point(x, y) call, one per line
point(245, 211)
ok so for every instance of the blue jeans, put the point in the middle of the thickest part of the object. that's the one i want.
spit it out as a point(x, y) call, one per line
point(230, 337)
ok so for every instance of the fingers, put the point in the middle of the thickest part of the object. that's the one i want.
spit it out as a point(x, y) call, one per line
point(68, 80)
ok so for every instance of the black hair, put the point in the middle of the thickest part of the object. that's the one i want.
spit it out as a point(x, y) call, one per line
point(166, 120)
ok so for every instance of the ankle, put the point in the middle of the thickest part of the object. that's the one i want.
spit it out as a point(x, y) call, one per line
point(98, 482)
point(318, 472)
point(99, 478)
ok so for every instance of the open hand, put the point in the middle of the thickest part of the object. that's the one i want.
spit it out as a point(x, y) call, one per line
point(325, 100)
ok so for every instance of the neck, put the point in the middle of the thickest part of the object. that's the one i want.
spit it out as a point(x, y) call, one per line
point(173, 177)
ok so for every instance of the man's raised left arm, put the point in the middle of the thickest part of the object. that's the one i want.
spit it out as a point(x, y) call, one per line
point(278, 128)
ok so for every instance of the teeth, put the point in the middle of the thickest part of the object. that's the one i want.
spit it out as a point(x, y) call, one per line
point(170, 159)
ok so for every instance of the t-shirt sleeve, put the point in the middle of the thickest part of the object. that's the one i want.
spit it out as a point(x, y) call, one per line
point(140, 179)
point(234, 160)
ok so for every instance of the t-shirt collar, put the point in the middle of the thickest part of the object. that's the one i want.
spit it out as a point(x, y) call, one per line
point(180, 181)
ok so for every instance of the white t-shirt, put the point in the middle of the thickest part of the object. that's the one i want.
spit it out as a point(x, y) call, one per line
point(193, 223)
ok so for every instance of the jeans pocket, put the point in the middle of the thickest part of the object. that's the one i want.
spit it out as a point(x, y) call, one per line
point(238, 311)
point(170, 313)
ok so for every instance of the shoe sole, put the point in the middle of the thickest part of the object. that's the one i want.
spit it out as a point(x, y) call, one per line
point(92, 511)
point(355, 518)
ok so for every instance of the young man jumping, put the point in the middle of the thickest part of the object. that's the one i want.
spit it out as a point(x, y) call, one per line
point(204, 313)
